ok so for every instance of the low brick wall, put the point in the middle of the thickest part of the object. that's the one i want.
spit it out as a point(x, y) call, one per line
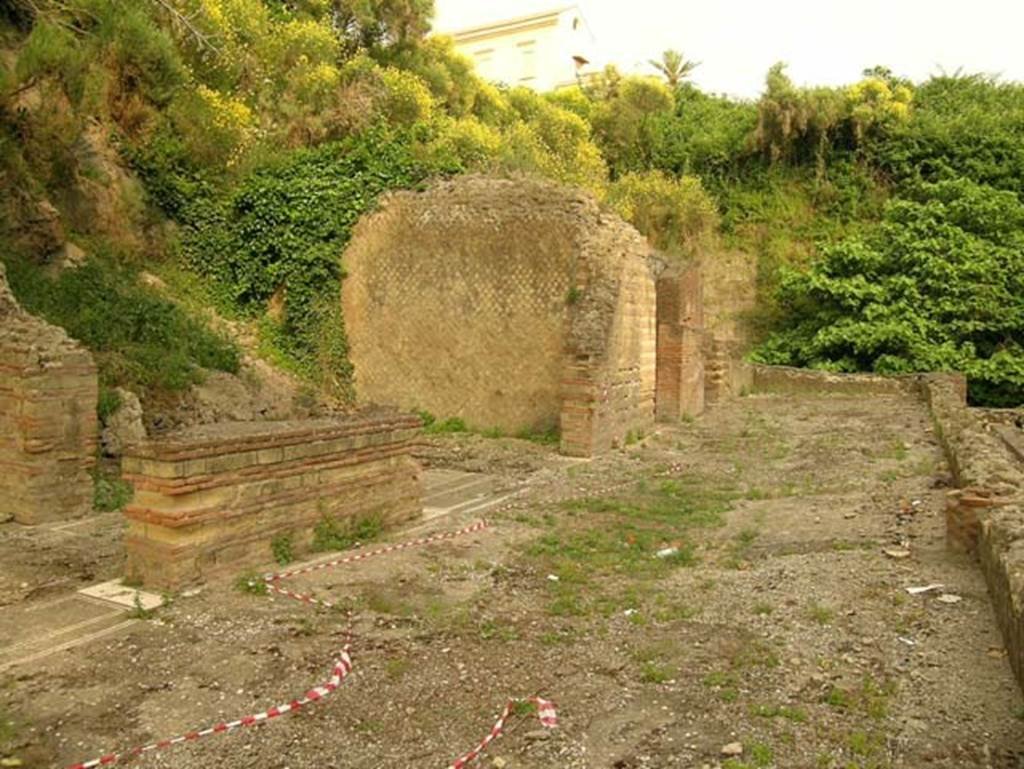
point(785, 379)
point(48, 425)
point(984, 515)
point(210, 501)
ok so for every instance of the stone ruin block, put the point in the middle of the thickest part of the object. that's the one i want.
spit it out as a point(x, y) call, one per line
point(680, 372)
point(48, 424)
point(209, 501)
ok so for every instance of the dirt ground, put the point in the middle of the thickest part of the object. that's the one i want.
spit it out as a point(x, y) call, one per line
point(723, 581)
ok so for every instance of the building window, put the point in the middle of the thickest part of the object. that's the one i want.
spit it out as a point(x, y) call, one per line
point(484, 55)
point(528, 57)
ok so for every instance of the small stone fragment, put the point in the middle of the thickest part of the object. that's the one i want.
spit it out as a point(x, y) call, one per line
point(949, 598)
point(897, 552)
point(732, 749)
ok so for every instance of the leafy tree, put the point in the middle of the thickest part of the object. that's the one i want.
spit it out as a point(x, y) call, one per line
point(624, 122)
point(938, 285)
point(378, 24)
point(674, 67)
point(705, 135)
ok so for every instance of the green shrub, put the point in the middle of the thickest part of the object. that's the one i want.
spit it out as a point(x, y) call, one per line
point(110, 492)
point(449, 425)
point(676, 215)
point(107, 403)
point(140, 339)
point(283, 229)
point(938, 285)
point(333, 534)
point(281, 547)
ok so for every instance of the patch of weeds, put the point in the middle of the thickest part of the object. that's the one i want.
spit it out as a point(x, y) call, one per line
point(724, 683)
point(396, 667)
point(449, 425)
point(493, 433)
point(573, 295)
point(761, 756)
point(653, 667)
point(498, 630)
point(820, 613)
point(867, 745)
point(8, 727)
point(889, 476)
point(381, 600)
point(1019, 713)
point(110, 492)
point(369, 726)
point(107, 403)
point(557, 637)
point(303, 627)
point(763, 609)
point(250, 583)
point(799, 715)
point(138, 610)
point(840, 699)
point(739, 550)
point(924, 466)
point(672, 611)
point(332, 534)
point(870, 698)
point(426, 417)
point(549, 437)
point(634, 437)
point(652, 672)
point(754, 653)
point(281, 547)
point(524, 708)
point(568, 602)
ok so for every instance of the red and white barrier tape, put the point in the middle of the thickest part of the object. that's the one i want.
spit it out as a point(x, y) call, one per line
point(342, 667)
point(545, 712)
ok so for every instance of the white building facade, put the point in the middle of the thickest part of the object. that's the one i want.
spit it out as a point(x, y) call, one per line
point(543, 51)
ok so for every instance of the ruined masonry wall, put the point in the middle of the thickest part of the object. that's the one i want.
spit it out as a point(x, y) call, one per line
point(209, 501)
point(985, 515)
point(48, 424)
point(511, 304)
point(680, 376)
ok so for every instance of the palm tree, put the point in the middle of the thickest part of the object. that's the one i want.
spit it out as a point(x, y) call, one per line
point(675, 67)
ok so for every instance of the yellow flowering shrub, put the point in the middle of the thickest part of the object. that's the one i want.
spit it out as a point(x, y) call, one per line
point(406, 98)
point(215, 128)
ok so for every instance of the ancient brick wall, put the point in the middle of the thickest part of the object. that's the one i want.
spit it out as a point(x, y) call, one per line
point(985, 514)
point(512, 304)
point(730, 296)
point(680, 363)
point(48, 425)
point(210, 500)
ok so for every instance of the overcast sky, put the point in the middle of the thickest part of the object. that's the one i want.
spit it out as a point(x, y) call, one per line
point(823, 41)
